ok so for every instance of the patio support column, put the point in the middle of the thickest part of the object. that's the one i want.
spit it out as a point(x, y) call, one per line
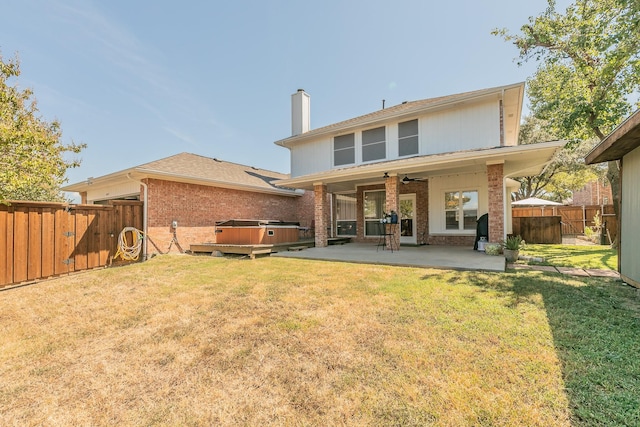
point(321, 212)
point(495, 178)
point(392, 189)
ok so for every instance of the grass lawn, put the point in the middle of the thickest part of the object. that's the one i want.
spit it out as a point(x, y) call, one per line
point(581, 256)
point(183, 340)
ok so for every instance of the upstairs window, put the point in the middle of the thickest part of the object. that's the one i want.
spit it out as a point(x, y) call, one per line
point(344, 150)
point(374, 146)
point(408, 138)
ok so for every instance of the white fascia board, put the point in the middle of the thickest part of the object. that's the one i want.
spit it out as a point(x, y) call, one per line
point(98, 181)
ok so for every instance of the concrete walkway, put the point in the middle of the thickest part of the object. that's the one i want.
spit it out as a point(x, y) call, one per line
point(431, 256)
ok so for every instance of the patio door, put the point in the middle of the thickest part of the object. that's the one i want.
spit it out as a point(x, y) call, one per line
point(408, 219)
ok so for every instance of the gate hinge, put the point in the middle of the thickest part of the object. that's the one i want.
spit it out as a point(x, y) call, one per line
point(68, 261)
point(69, 233)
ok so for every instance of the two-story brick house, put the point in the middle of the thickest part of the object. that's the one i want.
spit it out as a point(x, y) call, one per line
point(439, 163)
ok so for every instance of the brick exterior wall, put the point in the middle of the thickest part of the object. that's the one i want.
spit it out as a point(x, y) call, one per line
point(452, 240)
point(392, 203)
point(421, 190)
point(321, 215)
point(196, 208)
point(593, 193)
point(495, 178)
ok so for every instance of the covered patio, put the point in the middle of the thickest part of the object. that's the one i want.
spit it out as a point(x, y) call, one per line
point(427, 256)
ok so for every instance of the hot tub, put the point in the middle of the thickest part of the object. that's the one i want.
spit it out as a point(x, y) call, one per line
point(256, 232)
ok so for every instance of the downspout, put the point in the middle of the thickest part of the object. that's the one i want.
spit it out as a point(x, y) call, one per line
point(144, 215)
point(506, 203)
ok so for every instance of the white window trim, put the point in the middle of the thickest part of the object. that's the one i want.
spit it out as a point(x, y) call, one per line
point(364, 219)
point(418, 135)
point(443, 213)
point(386, 146)
point(333, 151)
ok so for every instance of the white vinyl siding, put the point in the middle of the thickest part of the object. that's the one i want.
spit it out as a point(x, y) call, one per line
point(311, 157)
point(467, 127)
point(630, 226)
point(344, 150)
point(473, 127)
point(408, 138)
point(125, 189)
point(374, 146)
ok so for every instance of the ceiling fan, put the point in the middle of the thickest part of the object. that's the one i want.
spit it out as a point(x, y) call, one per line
point(407, 180)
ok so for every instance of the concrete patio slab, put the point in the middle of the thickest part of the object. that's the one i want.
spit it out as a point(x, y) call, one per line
point(431, 256)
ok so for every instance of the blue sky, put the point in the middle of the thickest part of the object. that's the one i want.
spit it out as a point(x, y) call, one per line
point(141, 80)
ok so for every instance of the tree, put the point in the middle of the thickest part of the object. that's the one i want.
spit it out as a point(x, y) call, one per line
point(565, 174)
point(589, 66)
point(32, 163)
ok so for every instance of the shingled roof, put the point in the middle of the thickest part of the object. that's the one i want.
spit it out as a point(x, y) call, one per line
point(207, 168)
point(193, 168)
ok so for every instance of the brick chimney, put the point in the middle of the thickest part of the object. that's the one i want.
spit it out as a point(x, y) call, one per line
point(300, 112)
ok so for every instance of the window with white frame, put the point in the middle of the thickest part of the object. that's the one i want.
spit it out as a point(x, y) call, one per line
point(461, 210)
point(346, 214)
point(374, 202)
point(408, 138)
point(374, 146)
point(344, 150)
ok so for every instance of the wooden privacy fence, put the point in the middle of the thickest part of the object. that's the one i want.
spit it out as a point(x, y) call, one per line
point(544, 229)
point(40, 240)
point(573, 219)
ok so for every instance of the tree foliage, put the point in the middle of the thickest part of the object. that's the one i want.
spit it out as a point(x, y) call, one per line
point(589, 65)
point(565, 174)
point(32, 156)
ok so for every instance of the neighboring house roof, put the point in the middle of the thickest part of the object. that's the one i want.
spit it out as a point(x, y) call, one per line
point(195, 169)
point(624, 139)
point(522, 160)
point(512, 104)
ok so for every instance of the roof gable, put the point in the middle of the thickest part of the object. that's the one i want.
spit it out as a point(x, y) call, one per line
point(417, 107)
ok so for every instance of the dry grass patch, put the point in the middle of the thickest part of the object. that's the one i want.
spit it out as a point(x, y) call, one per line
point(209, 341)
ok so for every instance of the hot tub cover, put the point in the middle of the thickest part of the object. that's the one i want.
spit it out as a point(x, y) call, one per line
point(254, 223)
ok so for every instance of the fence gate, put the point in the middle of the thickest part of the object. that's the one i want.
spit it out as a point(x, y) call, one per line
point(40, 240)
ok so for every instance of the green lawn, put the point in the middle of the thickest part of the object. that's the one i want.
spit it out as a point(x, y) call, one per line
point(184, 340)
point(592, 256)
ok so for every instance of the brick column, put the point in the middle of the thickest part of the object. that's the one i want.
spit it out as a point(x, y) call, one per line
point(495, 180)
point(321, 213)
point(392, 189)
